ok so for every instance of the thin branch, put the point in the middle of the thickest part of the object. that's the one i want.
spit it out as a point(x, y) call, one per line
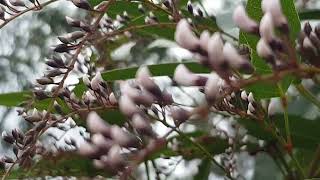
point(315, 163)
point(33, 8)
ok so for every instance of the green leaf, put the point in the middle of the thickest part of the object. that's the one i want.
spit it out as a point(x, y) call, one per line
point(310, 14)
point(254, 10)
point(14, 99)
point(304, 132)
point(204, 170)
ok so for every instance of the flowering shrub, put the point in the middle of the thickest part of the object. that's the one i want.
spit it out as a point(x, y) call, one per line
point(237, 78)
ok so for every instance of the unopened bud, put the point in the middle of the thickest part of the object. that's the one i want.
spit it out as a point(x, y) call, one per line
point(184, 77)
point(127, 106)
point(97, 125)
point(274, 7)
point(243, 21)
point(185, 37)
point(142, 125)
point(143, 77)
point(267, 28)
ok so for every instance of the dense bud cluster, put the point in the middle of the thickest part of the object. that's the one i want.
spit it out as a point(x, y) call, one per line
point(309, 43)
point(114, 148)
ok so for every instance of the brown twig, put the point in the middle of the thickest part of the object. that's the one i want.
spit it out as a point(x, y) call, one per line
point(34, 8)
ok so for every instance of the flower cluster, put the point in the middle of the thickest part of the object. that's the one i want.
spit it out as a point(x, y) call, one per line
point(309, 44)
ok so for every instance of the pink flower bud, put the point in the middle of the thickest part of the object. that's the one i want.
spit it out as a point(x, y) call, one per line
point(307, 44)
point(215, 48)
point(235, 60)
point(139, 97)
point(127, 106)
point(264, 50)
point(184, 77)
point(274, 7)
point(204, 40)
point(112, 98)
point(142, 125)
point(267, 28)
point(251, 108)
point(251, 98)
point(101, 142)
point(143, 77)
point(115, 158)
point(86, 80)
point(243, 21)
point(123, 138)
point(88, 150)
point(244, 95)
point(179, 115)
point(185, 37)
point(96, 82)
point(97, 125)
point(212, 89)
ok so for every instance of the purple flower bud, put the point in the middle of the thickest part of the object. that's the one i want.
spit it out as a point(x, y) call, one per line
point(315, 40)
point(251, 107)
point(83, 4)
point(167, 98)
point(141, 8)
point(53, 73)
point(215, 48)
point(142, 125)
point(204, 40)
point(7, 138)
point(96, 82)
point(251, 98)
point(244, 95)
point(101, 142)
point(185, 37)
point(45, 81)
point(7, 159)
point(115, 158)
point(112, 98)
point(17, 3)
point(274, 7)
point(143, 77)
point(190, 7)
point(235, 60)
point(97, 125)
point(86, 80)
point(88, 150)
point(250, 113)
point(243, 21)
point(123, 138)
point(307, 44)
point(264, 51)
point(212, 89)
point(139, 97)
point(307, 28)
point(184, 77)
point(127, 106)
point(267, 28)
point(179, 115)
point(71, 37)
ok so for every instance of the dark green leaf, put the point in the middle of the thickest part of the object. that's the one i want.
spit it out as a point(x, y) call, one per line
point(310, 14)
point(304, 132)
